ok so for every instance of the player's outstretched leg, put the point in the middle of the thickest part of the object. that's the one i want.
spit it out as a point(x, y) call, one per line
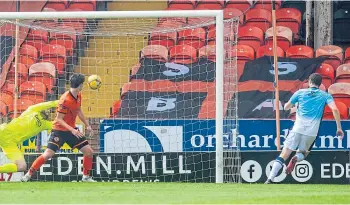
point(87, 163)
point(49, 153)
point(18, 164)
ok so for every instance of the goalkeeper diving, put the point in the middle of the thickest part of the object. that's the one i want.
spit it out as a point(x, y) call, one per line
point(30, 123)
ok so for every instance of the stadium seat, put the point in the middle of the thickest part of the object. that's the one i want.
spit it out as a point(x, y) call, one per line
point(55, 54)
point(60, 5)
point(194, 37)
point(229, 35)
point(6, 98)
point(33, 90)
point(340, 92)
point(36, 43)
point(347, 55)
point(300, 51)
point(3, 109)
point(38, 35)
point(284, 37)
point(85, 5)
point(242, 5)
point(183, 54)
point(208, 52)
point(45, 73)
point(28, 54)
point(333, 53)
point(22, 73)
point(165, 39)
point(182, 4)
point(22, 105)
point(300, 5)
point(250, 36)
point(8, 88)
point(267, 50)
point(306, 85)
point(291, 18)
point(157, 52)
point(116, 107)
point(67, 39)
point(342, 74)
point(197, 86)
point(244, 53)
point(210, 4)
point(260, 18)
point(230, 13)
point(343, 110)
point(267, 4)
point(341, 23)
point(327, 73)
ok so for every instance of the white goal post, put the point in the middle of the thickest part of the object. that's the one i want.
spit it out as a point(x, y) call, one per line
point(220, 55)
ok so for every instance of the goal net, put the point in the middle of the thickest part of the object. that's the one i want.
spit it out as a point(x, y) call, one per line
point(156, 116)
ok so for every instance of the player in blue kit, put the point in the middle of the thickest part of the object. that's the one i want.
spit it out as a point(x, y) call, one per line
point(310, 106)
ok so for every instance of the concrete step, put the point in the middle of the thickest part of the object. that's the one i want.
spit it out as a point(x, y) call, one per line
point(108, 62)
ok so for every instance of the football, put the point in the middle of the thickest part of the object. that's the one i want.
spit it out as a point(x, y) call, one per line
point(94, 82)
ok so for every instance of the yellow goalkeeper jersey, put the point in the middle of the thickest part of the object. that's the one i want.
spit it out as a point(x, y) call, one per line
point(28, 124)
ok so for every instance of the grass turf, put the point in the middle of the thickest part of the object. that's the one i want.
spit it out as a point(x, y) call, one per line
point(171, 193)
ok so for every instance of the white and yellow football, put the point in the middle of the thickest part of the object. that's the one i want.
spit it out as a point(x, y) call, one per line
point(94, 82)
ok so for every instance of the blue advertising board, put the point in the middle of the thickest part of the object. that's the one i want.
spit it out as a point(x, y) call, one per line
point(132, 136)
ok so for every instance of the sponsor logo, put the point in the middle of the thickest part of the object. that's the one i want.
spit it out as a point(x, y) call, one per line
point(303, 171)
point(251, 171)
point(335, 170)
point(282, 174)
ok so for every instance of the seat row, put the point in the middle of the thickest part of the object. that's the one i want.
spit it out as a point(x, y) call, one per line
point(62, 5)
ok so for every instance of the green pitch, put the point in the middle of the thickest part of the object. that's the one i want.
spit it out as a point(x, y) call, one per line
point(171, 193)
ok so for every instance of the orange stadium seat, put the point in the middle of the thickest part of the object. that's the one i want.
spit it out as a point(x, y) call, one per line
point(250, 36)
point(157, 52)
point(327, 73)
point(194, 37)
point(68, 40)
point(22, 73)
point(44, 72)
point(57, 5)
point(347, 55)
point(55, 54)
point(165, 39)
point(182, 4)
point(3, 109)
point(22, 105)
point(7, 99)
point(230, 13)
point(300, 51)
point(208, 52)
point(343, 74)
point(244, 53)
point(28, 54)
point(242, 5)
point(183, 54)
point(37, 44)
point(267, 4)
point(85, 5)
point(229, 35)
point(333, 53)
point(33, 90)
point(8, 88)
point(38, 35)
point(210, 4)
point(340, 92)
point(284, 37)
point(267, 50)
point(260, 18)
point(343, 110)
point(291, 18)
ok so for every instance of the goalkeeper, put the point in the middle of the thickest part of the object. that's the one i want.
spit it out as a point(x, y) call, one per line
point(30, 123)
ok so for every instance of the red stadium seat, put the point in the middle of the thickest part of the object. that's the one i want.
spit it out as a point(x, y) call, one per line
point(340, 92)
point(251, 36)
point(327, 73)
point(343, 110)
point(33, 90)
point(284, 37)
point(22, 105)
point(260, 18)
point(55, 54)
point(194, 37)
point(183, 54)
point(333, 53)
point(291, 18)
point(7, 99)
point(156, 52)
point(38, 35)
point(57, 5)
point(267, 4)
point(85, 5)
point(45, 73)
point(68, 40)
point(8, 88)
point(244, 53)
point(37, 44)
point(210, 4)
point(28, 54)
point(182, 4)
point(3, 109)
point(230, 13)
point(242, 5)
point(229, 35)
point(165, 39)
point(347, 55)
point(22, 73)
point(300, 51)
point(343, 74)
point(208, 52)
point(267, 50)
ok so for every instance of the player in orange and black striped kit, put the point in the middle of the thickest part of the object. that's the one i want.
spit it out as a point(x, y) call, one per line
point(64, 130)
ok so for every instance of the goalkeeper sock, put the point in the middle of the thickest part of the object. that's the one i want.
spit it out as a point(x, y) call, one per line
point(277, 165)
point(300, 157)
point(8, 168)
point(36, 164)
point(87, 165)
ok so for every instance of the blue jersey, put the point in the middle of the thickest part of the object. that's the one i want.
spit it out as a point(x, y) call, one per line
point(310, 106)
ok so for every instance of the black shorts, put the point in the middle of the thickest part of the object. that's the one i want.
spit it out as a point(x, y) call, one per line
point(58, 138)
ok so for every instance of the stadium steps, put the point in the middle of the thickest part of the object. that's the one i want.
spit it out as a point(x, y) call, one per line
point(139, 5)
point(93, 62)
